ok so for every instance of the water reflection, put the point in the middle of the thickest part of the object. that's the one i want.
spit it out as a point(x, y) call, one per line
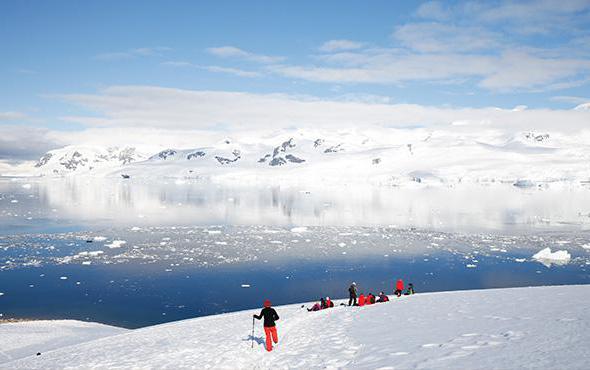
point(98, 202)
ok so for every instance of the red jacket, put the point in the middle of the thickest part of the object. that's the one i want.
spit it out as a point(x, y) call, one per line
point(361, 300)
point(399, 285)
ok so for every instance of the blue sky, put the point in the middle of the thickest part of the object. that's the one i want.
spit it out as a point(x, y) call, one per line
point(59, 57)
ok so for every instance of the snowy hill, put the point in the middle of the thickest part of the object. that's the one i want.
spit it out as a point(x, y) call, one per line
point(22, 339)
point(535, 328)
point(83, 159)
point(393, 157)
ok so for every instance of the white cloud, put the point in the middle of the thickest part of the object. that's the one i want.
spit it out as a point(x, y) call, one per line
point(438, 37)
point(576, 100)
point(218, 69)
point(25, 142)
point(391, 67)
point(433, 10)
point(337, 45)
point(176, 109)
point(234, 71)
point(512, 70)
point(132, 53)
point(234, 52)
point(519, 70)
point(12, 116)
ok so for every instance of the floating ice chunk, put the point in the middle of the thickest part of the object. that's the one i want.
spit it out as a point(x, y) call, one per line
point(63, 278)
point(245, 285)
point(520, 259)
point(213, 232)
point(100, 238)
point(86, 262)
point(471, 266)
point(14, 201)
point(342, 245)
point(26, 186)
point(135, 228)
point(116, 244)
point(546, 257)
point(299, 229)
point(1, 294)
point(221, 243)
point(586, 246)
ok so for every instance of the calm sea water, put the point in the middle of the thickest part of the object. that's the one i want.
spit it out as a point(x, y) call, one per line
point(137, 254)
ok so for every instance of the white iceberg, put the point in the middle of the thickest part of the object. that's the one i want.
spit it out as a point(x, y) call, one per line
point(546, 257)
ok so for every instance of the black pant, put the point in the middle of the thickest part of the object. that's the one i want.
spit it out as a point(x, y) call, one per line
point(397, 292)
point(352, 300)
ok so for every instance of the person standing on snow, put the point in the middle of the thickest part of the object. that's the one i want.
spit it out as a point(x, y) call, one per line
point(270, 328)
point(399, 287)
point(352, 294)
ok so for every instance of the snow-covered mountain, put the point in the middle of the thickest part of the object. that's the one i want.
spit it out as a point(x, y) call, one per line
point(393, 157)
point(85, 158)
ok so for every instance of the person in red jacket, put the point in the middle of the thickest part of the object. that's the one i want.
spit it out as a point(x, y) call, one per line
point(399, 287)
point(270, 328)
point(361, 299)
point(370, 299)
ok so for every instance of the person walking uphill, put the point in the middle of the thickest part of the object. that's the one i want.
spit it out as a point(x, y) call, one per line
point(352, 294)
point(270, 328)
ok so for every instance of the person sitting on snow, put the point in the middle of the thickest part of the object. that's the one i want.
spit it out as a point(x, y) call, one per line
point(399, 287)
point(329, 303)
point(270, 327)
point(410, 289)
point(315, 307)
point(361, 299)
point(383, 298)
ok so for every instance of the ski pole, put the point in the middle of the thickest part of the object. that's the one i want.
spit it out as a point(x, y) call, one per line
point(252, 333)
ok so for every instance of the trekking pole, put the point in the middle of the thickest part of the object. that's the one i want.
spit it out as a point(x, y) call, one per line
point(252, 333)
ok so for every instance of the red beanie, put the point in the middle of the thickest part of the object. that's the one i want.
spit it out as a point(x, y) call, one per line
point(267, 303)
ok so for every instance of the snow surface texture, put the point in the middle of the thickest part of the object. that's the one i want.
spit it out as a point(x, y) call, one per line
point(539, 328)
point(391, 157)
point(22, 339)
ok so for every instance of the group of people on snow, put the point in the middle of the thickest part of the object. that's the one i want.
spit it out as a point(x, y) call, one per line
point(270, 316)
point(382, 297)
point(322, 304)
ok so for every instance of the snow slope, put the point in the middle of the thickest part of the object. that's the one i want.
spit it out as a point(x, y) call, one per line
point(539, 328)
point(22, 339)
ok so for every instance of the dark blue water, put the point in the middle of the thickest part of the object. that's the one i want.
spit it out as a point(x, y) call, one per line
point(139, 295)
